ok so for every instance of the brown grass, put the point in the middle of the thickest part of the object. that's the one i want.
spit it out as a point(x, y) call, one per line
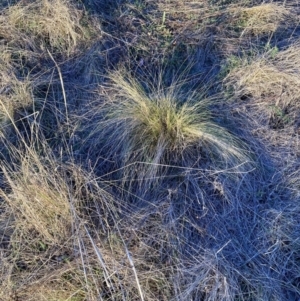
point(269, 76)
point(262, 19)
point(54, 24)
point(15, 93)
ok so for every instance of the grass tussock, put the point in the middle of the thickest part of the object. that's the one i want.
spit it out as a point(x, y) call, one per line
point(38, 221)
point(161, 126)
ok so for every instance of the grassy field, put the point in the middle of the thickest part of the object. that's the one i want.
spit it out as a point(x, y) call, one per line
point(149, 150)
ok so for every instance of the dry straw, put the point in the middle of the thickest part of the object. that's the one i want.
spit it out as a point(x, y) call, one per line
point(275, 75)
point(262, 19)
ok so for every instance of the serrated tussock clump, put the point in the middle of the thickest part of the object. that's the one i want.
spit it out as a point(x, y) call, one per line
point(162, 126)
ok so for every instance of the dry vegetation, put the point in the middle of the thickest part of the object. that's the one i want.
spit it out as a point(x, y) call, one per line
point(149, 150)
point(53, 24)
point(263, 18)
point(275, 73)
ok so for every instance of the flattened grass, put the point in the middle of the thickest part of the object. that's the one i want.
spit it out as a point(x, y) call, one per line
point(54, 24)
point(273, 75)
point(262, 19)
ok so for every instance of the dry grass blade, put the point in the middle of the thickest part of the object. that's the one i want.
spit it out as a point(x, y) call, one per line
point(62, 85)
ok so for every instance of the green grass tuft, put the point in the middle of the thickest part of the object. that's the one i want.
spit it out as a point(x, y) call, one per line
point(162, 126)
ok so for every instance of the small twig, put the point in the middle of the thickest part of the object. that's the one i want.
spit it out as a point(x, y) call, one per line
point(101, 260)
point(134, 271)
point(62, 85)
point(223, 246)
